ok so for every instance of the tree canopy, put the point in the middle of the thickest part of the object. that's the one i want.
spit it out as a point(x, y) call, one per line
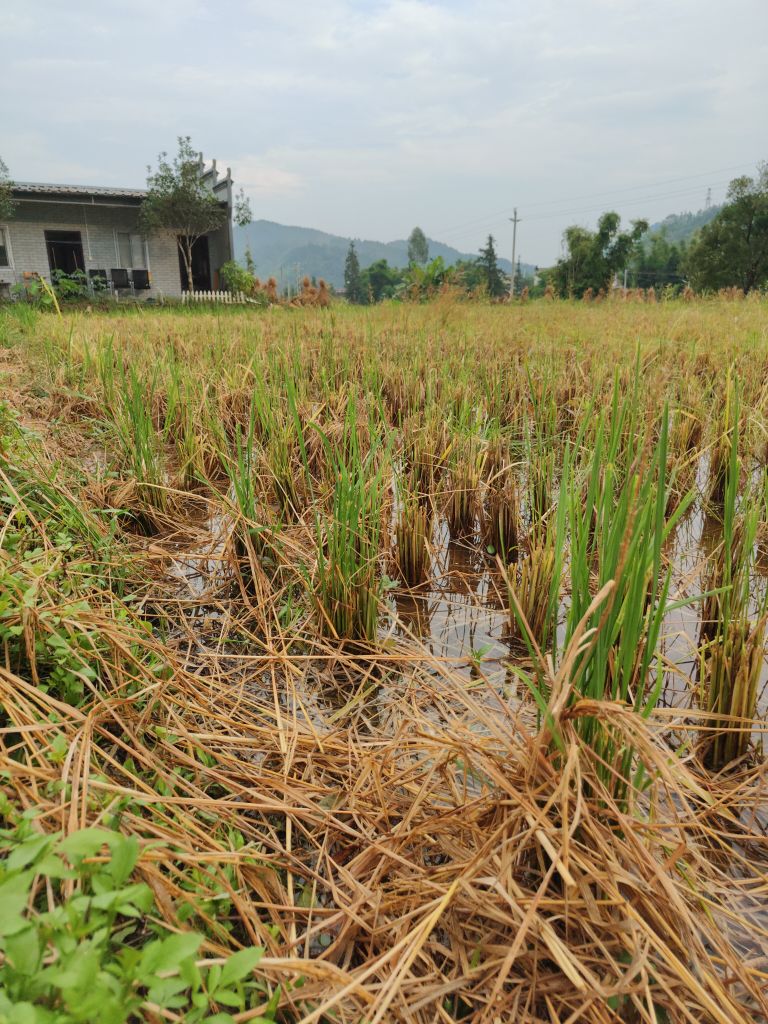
point(418, 248)
point(353, 280)
point(242, 211)
point(7, 204)
point(593, 257)
point(469, 275)
point(178, 200)
point(658, 263)
point(732, 250)
point(380, 281)
point(423, 282)
point(491, 276)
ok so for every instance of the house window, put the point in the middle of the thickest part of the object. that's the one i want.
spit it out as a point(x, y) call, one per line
point(4, 260)
point(131, 250)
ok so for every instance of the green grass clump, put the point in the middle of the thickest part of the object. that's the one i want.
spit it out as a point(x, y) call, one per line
point(732, 632)
point(348, 589)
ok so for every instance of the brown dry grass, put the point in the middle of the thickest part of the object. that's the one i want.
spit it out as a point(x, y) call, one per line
point(414, 848)
point(448, 861)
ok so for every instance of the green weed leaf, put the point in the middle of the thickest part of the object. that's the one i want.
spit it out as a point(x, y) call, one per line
point(241, 964)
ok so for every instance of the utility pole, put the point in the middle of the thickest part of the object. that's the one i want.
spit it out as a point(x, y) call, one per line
point(515, 221)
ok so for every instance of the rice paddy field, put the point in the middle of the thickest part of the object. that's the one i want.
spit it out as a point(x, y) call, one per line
point(421, 647)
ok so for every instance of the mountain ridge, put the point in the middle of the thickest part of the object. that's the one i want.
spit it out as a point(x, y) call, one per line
point(681, 227)
point(289, 252)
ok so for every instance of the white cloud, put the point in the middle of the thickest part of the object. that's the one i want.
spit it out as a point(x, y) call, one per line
point(260, 176)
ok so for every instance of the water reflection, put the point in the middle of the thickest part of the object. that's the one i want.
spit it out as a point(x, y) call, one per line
point(463, 616)
point(414, 615)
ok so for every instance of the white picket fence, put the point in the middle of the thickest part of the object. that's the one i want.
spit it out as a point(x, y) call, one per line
point(228, 298)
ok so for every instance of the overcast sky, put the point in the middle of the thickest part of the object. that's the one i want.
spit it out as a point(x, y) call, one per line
point(365, 118)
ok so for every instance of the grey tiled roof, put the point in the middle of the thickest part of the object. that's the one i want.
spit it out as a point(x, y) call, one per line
point(40, 188)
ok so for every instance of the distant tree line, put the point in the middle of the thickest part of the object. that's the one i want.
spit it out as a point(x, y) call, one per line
point(423, 278)
point(730, 251)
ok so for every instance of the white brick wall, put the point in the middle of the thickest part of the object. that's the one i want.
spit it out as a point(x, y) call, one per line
point(98, 225)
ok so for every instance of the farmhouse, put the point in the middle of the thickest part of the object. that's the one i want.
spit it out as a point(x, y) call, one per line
point(93, 230)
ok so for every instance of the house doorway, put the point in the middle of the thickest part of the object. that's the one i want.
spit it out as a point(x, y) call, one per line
point(65, 251)
point(201, 267)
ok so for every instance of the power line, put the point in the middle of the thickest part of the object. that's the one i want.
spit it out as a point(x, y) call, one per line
point(639, 201)
point(595, 195)
point(627, 202)
point(635, 188)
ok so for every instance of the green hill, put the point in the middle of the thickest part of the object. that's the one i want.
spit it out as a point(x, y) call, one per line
point(288, 253)
point(681, 227)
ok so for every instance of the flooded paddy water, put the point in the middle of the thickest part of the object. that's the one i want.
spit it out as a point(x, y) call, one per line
point(460, 619)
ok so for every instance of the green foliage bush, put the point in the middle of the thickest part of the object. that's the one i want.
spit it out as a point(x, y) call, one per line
point(424, 281)
point(71, 286)
point(81, 944)
point(68, 288)
point(33, 292)
point(237, 278)
point(59, 562)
